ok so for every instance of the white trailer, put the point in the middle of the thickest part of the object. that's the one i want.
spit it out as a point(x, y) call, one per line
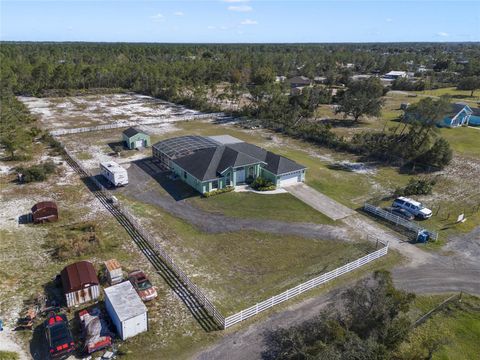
point(126, 309)
point(114, 173)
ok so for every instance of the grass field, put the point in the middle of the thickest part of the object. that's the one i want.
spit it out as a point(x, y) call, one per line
point(282, 207)
point(460, 319)
point(238, 269)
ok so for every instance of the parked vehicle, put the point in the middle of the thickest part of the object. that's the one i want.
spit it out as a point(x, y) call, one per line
point(95, 330)
point(142, 285)
point(412, 206)
point(114, 173)
point(404, 214)
point(59, 338)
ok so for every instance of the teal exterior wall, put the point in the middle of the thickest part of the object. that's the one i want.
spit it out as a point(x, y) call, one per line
point(189, 179)
point(130, 142)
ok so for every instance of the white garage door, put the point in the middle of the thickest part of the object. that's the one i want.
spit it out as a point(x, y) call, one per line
point(139, 143)
point(289, 179)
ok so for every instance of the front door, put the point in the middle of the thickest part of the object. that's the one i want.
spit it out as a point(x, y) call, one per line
point(240, 175)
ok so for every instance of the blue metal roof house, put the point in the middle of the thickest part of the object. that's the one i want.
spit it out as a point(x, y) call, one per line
point(461, 115)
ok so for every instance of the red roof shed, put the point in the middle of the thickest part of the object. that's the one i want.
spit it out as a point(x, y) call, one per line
point(80, 283)
point(44, 211)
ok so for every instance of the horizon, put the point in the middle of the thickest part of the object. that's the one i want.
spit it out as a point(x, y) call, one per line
point(240, 22)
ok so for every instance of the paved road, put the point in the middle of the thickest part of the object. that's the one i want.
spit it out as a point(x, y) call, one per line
point(320, 202)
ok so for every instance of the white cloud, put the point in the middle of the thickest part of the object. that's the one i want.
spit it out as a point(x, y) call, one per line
point(442, 34)
point(240, 8)
point(178, 13)
point(388, 19)
point(157, 17)
point(249, 22)
point(211, 27)
point(235, 1)
point(223, 28)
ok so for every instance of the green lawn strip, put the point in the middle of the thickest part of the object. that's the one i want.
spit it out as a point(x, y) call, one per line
point(281, 207)
point(463, 140)
point(238, 269)
point(462, 321)
point(8, 355)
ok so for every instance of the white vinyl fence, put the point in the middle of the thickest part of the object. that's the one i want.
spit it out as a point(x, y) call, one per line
point(299, 289)
point(226, 322)
point(160, 120)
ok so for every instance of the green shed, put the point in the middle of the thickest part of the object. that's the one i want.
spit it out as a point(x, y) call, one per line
point(135, 139)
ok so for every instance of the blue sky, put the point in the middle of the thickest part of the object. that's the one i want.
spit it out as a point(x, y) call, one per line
point(240, 21)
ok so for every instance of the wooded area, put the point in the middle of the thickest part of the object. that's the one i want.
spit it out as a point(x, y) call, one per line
point(205, 76)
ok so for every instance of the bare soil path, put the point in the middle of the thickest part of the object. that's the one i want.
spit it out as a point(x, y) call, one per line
point(139, 189)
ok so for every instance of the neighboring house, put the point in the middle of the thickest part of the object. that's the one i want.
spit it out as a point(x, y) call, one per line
point(462, 115)
point(135, 139)
point(319, 79)
point(299, 81)
point(211, 163)
point(44, 211)
point(80, 283)
point(393, 75)
point(280, 78)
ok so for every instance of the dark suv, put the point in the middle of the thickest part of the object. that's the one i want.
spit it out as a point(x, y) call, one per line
point(59, 338)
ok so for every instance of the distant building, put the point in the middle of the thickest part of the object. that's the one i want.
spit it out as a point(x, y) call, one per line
point(44, 211)
point(299, 81)
point(80, 283)
point(135, 139)
point(320, 79)
point(394, 75)
point(280, 78)
point(361, 77)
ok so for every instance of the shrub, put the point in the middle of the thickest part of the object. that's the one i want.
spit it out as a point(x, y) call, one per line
point(36, 172)
point(417, 187)
point(219, 191)
point(261, 184)
point(72, 242)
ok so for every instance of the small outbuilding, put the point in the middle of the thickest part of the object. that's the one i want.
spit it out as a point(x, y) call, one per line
point(126, 309)
point(80, 283)
point(113, 272)
point(44, 211)
point(135, 139)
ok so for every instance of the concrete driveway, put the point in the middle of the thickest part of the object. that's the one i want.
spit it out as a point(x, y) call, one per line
point(320, 202)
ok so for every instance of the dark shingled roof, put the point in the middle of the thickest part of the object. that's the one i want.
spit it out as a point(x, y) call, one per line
point(77, 275)
point(207, 164)
point(131, 132)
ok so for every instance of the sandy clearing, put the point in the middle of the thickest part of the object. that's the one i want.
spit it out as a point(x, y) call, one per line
point(8, 343)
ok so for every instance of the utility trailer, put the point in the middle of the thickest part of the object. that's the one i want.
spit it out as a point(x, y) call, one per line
point(114, 173)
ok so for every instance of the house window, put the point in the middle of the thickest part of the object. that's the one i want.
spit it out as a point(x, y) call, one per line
point(215, 184)
point(250, 171)
point(184, 174)
point(227, 180)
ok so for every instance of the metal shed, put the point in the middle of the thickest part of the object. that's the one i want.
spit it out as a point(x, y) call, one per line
point(126, 309)
point(80, 283)
point(113, 271)
point(44, 211)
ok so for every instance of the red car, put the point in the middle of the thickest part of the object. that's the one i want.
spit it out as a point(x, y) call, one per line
point(142, 285)
point(58, 335)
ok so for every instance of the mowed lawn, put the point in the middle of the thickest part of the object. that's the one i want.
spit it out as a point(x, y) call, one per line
point(281, 207)
point(462, 321)
point(239, 269)
point(463, 140)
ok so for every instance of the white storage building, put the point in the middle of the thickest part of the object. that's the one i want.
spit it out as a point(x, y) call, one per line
point(126, 309)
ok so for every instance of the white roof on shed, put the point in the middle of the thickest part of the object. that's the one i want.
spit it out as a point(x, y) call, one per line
point(125, 301)
point(225, 139)
point(396, 73)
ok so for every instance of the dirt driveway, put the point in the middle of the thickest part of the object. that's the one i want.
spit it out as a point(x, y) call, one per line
point(320, 202)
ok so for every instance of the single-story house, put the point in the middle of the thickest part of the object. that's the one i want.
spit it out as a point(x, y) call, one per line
point(80, 283)
point(44, 211)
point(135, 139)
point(299, 81)
point(393, 75)
point(212, 163)
point(462, 115)
point(126, 309)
